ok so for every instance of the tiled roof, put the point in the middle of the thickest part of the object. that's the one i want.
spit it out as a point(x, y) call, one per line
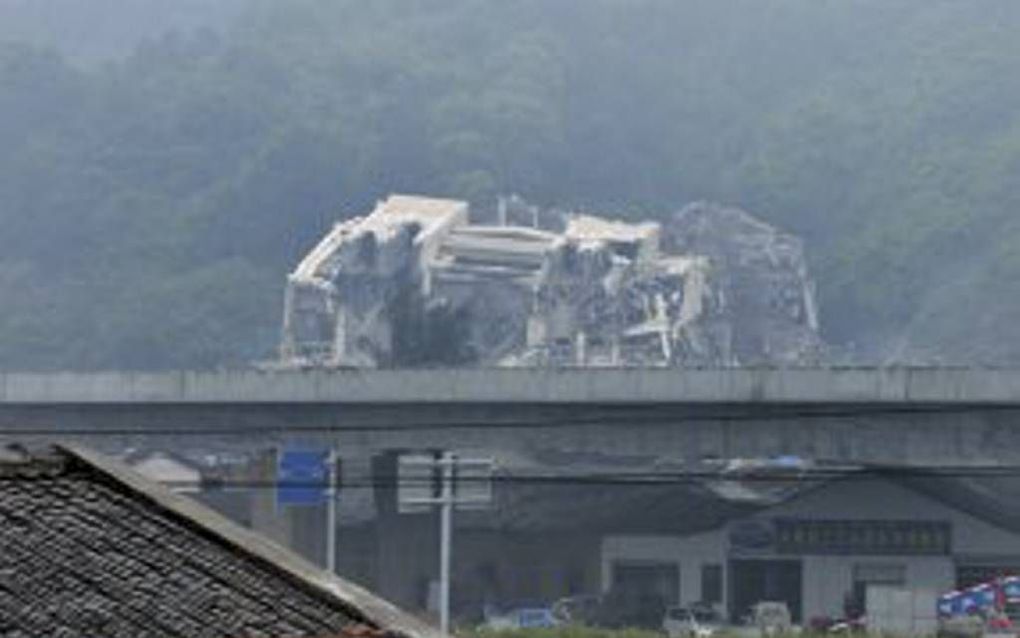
point(90, 549)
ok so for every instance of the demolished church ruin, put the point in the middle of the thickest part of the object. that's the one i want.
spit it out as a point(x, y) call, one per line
point(417, 282)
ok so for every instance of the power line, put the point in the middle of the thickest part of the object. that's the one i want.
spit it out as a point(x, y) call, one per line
point(618, 415)
point(633, 479)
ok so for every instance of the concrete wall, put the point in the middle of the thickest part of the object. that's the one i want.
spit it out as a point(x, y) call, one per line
point(827, 579)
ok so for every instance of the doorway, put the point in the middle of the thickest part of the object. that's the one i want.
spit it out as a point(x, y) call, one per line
point(647, 580)
point(754, 581)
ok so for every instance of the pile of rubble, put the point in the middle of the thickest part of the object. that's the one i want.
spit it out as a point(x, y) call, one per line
point(415, 282)
point(760, 278)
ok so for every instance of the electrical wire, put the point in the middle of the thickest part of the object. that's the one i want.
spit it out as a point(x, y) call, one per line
point(613, 415)
point(632, 479)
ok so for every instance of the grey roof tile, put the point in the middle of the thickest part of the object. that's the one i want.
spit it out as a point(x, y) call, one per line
point(83, 554)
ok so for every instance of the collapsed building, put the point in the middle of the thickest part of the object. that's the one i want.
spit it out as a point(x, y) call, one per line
point(416, 282)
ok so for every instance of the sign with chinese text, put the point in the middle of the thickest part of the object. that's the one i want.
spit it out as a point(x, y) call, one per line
point(805, 536)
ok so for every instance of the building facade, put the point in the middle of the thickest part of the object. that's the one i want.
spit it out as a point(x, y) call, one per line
point(816, 544)
point(817, 552)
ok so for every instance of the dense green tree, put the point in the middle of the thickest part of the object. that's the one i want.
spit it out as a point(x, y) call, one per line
point(157, 184)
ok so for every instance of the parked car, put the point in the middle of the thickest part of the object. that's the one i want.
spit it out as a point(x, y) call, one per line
point(771, 618)
point(696, 621)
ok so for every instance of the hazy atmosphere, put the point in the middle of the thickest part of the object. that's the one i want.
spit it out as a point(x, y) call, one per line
point(164, 165)
point(510, 318)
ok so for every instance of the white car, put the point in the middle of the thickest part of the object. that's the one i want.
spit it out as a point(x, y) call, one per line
point(691, 622)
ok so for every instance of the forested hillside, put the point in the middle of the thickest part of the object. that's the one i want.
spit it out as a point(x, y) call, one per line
point(92, 32)
point(151, 204)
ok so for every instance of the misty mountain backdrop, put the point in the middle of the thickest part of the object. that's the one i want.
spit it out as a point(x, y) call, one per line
point(164, 164)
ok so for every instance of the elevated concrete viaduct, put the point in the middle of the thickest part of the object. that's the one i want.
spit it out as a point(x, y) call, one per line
point(871, 415)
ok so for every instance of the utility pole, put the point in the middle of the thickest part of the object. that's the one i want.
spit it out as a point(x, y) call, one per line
point(416, 494)
point(331, 512)
point(445, 540)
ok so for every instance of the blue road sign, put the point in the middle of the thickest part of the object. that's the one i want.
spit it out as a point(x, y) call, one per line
point(302, 477)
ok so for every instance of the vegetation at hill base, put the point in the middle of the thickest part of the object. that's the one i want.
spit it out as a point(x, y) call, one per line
point(155, 191)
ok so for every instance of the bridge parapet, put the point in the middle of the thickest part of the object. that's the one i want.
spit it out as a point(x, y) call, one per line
point(818, 386)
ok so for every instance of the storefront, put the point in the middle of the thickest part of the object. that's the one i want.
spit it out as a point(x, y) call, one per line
point(818, 552)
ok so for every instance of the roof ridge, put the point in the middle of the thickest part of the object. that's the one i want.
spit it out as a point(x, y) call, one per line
point(16, 460)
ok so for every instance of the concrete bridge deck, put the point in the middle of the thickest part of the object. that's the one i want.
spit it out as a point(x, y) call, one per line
point(888, 416)
point(750, 386)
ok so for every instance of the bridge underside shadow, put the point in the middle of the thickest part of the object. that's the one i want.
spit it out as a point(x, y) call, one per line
point(924, 435)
